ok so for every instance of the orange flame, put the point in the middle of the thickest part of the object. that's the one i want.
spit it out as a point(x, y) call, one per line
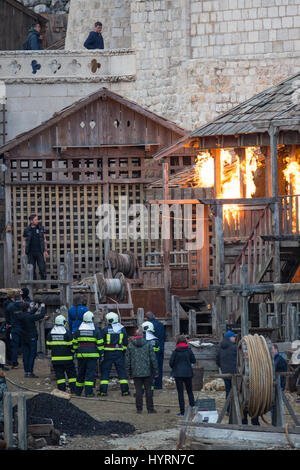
point(231, 168)
point(204, 169)
point(230, 183)
point(292, 176)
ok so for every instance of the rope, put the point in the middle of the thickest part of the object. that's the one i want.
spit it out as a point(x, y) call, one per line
point(84, 398)
point(260, 376)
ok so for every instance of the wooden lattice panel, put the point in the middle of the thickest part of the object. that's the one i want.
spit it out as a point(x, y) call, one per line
point(68, 213)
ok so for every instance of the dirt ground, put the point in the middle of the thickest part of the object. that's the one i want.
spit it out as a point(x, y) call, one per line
point(153, 432)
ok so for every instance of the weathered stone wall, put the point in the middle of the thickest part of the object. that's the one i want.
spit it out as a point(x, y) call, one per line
point(195, 59)
point(114, 16)
point(48, 6)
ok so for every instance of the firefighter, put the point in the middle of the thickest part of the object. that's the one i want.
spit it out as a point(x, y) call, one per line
point(88, 346)
point(59, 341)
point(148, 330)
point(115, 342)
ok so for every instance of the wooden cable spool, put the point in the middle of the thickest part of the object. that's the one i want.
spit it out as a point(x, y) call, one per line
point(125, 263)
point(115, 287)
point(255, 368)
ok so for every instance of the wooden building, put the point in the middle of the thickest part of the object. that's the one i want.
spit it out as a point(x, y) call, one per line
point(16, 20)
point(93, 152)
point(247, 177)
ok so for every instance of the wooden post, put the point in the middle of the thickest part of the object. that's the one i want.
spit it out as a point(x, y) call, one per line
point(166, 243)
point(192, 323)
point(22, 422)
point(291, 323)
point(62, 277)
point(263, 321)
point(221, 314)
point(219, 234)
point(217, 172)
point(29, 274)
point(175, 316)
point(69, 276)
point(278, 418)
point(8, 419)
point(273, 133)
point(140, 317)
point(24, 262)
point(8, 254)
point(245, 311)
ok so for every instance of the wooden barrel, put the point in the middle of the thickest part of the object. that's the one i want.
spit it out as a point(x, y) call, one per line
point(198, 378)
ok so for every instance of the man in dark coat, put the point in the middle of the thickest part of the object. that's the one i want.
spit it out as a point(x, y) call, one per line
point(95, 39)
point(280, 364)
point(34, 39)
point(227, 357)
point(30, 336)
point(12, 310)
point(35, 245)
point(141, 364)
point(160, 333)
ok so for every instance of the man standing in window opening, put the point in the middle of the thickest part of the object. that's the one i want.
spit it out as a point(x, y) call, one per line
point(95, 38)
point(35, 245)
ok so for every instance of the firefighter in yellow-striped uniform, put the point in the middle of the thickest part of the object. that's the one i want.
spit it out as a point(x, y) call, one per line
point(115, 341)
point(59, 341)
point(88, 346)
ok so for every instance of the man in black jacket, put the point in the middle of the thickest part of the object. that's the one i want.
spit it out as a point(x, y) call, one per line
point(227, 357)
point(95, 39)
point(35, 245)
point(12, 311)
point(30, 336)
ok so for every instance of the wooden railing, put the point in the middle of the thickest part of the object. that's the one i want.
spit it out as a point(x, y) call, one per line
point(257, 253)
point(289, 215)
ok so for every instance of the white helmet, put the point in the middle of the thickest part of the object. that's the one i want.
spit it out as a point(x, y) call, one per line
point(60, 320)
point(88, 317)
point(112, 317)
point(148, 326)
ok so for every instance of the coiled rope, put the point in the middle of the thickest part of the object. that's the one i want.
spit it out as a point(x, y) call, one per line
point(260, 376)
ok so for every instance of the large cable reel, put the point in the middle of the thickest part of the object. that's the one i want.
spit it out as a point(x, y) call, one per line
point(115, 287)
point(255, 375)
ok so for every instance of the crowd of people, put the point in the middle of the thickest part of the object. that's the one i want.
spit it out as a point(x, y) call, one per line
point(78, 346)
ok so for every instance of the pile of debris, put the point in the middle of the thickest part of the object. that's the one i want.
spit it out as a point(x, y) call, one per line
point(69, 419)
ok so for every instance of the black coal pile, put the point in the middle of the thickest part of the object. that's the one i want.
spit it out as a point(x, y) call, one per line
point(69, 419)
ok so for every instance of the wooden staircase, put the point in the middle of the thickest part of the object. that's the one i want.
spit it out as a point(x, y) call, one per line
point(259, 251)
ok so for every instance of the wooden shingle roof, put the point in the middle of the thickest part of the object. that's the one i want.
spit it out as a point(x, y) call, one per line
point(279, 106)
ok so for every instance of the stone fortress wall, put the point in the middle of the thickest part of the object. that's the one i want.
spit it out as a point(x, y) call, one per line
point(194, 58)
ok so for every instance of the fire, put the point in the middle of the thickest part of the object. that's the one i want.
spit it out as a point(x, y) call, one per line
point(252, 164)
point(230, 183)
point(292, 176)
point(204, 170)
point(231, 169)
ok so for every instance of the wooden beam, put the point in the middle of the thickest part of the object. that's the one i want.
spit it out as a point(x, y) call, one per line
point(166, 242)
point(173, 201)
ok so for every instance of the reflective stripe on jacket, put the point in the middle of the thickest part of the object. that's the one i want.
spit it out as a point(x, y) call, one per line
point(61, 346)
point(88, 343)
point(114, 341)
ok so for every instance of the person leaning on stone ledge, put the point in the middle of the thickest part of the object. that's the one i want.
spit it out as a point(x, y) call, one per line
point(34, 39)
point(95, 39)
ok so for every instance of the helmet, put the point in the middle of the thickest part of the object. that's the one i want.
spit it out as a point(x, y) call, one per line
point(112, 317)
point(148, 326)
point(60, 320)
point(88, 317)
